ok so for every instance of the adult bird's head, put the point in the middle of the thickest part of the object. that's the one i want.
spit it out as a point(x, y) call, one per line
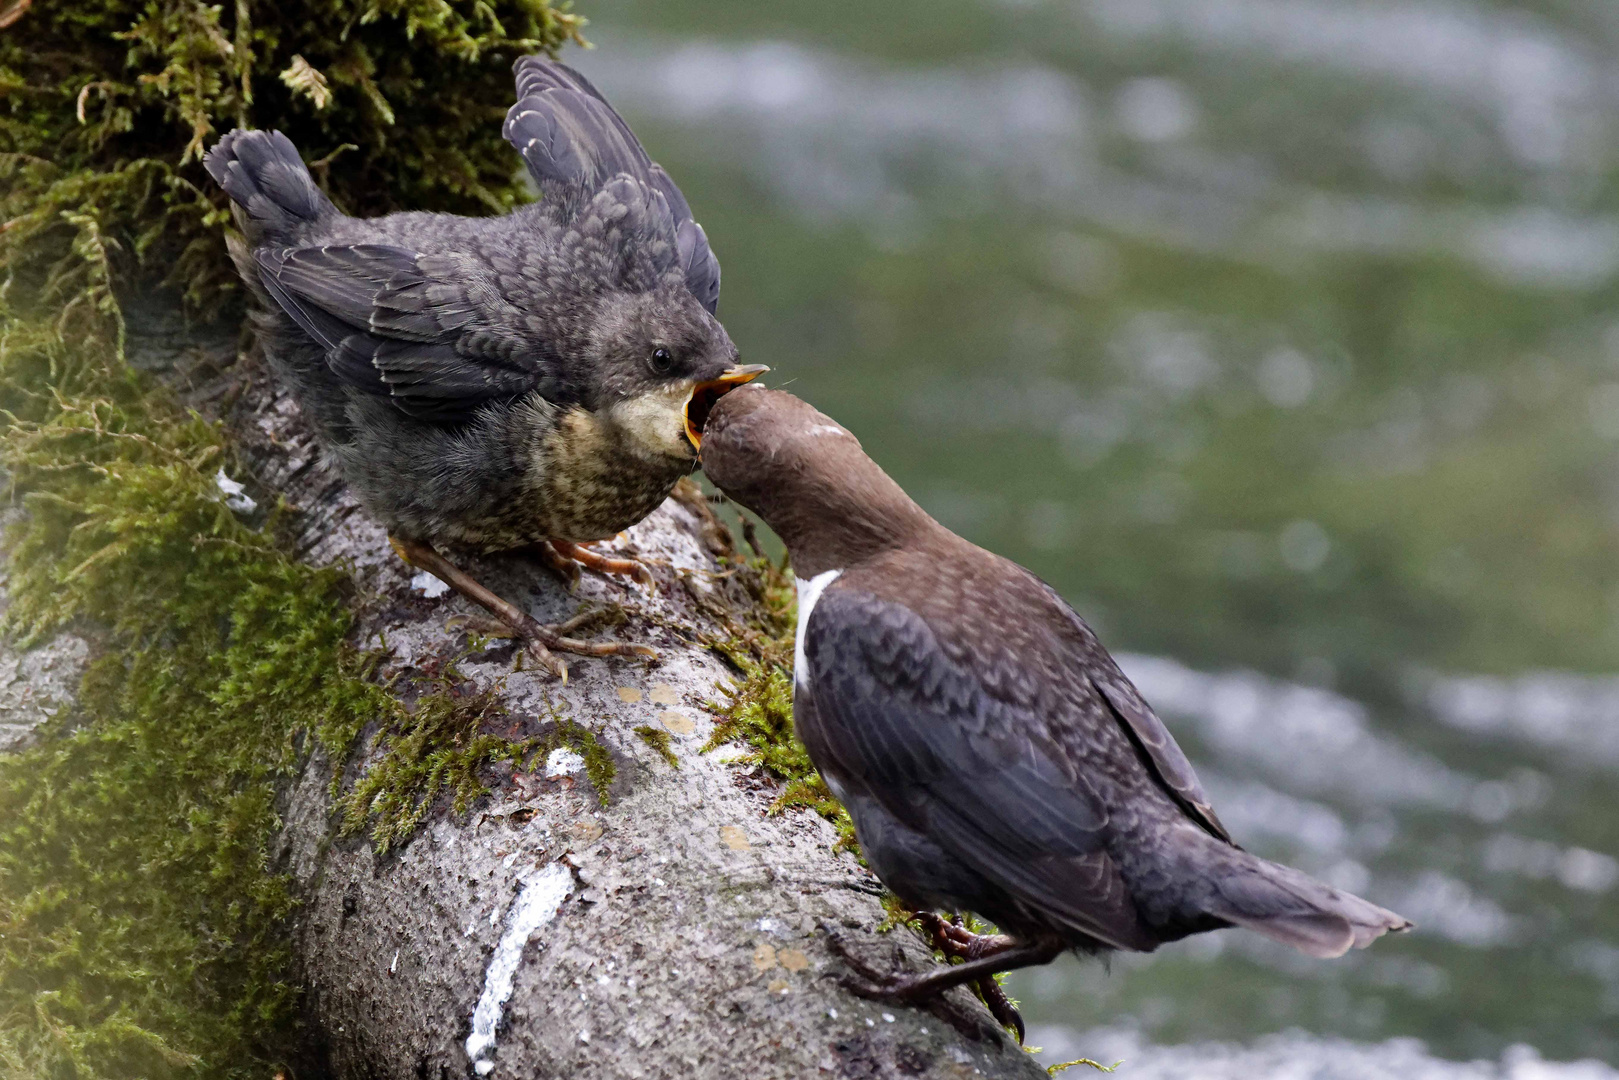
point(808, 477)
point(661, 361)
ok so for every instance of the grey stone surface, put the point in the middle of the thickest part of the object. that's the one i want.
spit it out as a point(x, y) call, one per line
point(35, 684)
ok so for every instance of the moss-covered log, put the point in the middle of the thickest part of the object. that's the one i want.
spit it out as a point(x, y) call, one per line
point(295, 818)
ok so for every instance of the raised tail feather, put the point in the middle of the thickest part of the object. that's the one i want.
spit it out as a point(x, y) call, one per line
point(1289, 906)
point(263, 174)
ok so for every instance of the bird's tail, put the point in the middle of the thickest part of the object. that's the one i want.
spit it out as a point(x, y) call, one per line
point(263, 174)
point(1285, 904)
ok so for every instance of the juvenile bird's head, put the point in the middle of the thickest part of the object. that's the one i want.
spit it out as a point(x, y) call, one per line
point(659, 362)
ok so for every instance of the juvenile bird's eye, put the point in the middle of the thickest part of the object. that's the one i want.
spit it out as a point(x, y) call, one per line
point(662, 361)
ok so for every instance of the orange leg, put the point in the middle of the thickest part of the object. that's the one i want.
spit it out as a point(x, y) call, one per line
point(541, 639)
point(567, 551)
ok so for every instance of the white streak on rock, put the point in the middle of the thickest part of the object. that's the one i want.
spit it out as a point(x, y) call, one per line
point(563, 762)
point(236, 498)
point(537, 904)
point(428, 585)
point(1297, 1054)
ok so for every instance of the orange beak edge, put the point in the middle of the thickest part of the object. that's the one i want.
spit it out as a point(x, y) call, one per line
point(705, 394)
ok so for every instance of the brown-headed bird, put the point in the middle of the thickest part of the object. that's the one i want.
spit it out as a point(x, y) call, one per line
point(496, 383)
point(992, 755)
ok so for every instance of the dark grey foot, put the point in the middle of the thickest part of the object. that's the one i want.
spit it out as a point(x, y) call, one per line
point(957, 942)
point(898, 988)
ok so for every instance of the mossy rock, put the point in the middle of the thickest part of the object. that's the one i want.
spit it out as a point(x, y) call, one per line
point(106, 107)
point(143, 929)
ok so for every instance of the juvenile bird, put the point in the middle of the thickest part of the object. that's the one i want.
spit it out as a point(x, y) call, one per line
point(539, 378)
point(992, 755)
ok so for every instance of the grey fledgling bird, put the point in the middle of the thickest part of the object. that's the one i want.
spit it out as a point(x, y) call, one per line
point(496, 383)
point(992, 755)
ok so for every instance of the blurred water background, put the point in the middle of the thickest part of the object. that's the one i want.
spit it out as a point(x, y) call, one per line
point(1280, 336)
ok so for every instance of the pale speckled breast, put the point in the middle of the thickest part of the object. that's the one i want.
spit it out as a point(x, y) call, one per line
point(592, 486)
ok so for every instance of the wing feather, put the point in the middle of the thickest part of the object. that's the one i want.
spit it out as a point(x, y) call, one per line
point(1166, 759)
point(574, 143)
point(391, 327)
point(923, 739)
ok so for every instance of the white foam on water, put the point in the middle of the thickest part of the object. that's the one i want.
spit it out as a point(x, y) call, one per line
point(1600, 960)
point(1446, 907)
point(1253, 811)
point(1301, 735)
point(1575, 867)
point(1575, 714)
point(1543, 87)
point(1522, 245)
point(1297, 1056)
point(851, 138)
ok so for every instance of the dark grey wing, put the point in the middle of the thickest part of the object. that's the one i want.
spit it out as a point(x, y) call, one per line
point(399, 324)
point(1157, 747)
point(1166, 760)
point(701, 268)
point(919, 733)
point(573, 141)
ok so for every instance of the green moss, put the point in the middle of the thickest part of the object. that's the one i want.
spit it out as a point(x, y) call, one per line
point(143, 929)
point(600, 768)
point(659, 740)
point(1064, 1066)
point(106, 107)
point(757, 709)
point(434, 746)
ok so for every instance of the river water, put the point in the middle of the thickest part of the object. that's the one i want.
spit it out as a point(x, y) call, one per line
point(1280, 336)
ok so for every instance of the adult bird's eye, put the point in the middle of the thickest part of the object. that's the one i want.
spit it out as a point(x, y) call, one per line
point(661, 361)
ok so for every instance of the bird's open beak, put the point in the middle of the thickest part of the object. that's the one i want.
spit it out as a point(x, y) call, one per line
point(705, 394)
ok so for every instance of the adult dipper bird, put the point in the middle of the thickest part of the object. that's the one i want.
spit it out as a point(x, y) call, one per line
point(992, 755)
point(495, 383)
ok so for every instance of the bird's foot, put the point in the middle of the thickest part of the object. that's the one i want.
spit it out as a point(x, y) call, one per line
point(489, 626)
point(543, 641)
point(567, 557)
point(897, 987)
point(1000, 1006)
point(957, 942)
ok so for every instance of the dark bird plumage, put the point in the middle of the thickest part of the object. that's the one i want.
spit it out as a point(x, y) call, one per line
point(992, 755)
point(494, 383)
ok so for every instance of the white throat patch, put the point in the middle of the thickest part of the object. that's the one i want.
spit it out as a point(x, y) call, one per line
point(808, 593)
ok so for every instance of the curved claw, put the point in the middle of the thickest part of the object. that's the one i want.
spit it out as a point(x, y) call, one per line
point(864, 980)
point(1000, 1006)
